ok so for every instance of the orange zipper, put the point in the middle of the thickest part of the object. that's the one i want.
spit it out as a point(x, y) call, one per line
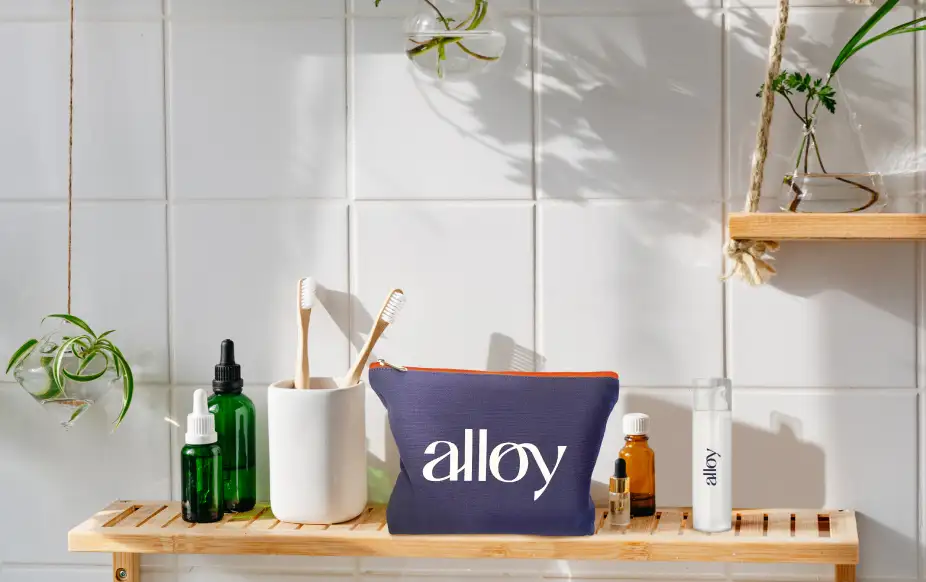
point(384, 364)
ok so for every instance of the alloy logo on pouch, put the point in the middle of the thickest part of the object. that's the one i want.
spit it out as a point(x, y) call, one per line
point(710, 468)
point(449, 468)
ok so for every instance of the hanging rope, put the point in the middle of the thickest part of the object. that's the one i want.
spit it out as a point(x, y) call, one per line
point(70, 151)
point(752, 259)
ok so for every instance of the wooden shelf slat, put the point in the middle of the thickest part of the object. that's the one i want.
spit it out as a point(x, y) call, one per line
point(153, 527)
point(785, 226)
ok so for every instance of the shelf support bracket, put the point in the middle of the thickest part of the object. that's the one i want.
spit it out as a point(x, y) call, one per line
point(845, 572)
point(126, 568)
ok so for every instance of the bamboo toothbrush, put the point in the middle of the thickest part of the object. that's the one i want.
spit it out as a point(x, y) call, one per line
point(304, 312)
point(386, 316)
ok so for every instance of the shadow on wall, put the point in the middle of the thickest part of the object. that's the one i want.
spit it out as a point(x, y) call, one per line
point(770, 469)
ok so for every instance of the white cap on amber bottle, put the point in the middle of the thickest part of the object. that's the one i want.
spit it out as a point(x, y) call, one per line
point(636, 424)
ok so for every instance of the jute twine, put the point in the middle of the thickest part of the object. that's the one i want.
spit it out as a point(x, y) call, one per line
point(751, 259)
point(70, 150)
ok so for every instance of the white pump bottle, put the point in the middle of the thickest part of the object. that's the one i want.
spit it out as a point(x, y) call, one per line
point(712, 455)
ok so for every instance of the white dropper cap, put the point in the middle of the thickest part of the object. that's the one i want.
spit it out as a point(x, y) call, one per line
point(200, 424)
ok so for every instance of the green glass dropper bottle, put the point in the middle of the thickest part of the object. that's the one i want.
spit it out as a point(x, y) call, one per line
point(201, 466)
point(235, 423)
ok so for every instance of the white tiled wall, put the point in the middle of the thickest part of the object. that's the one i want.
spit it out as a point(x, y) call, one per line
point(565, 211)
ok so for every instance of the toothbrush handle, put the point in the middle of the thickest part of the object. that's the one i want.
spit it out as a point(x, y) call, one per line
point(354, 375)
point(302, 357)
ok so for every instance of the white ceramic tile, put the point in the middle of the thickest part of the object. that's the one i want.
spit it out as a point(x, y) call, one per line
point(119, 111)
point(637, 281)
point(415, 138)
point(409, 7)
point(33, 252)
point(625, 111)
point(33, 573)
point(120, 280)
point(467, 272)
point(69, 475)
point(812, 448)
point(235, 267)
point(845, 5)
point(448, 568)
point(250, 10)
point(33, 144)
point(877, 85)
point(84, 9)
point(837, 314)
point(119, 9)
point(33, 9)
point(573, 7)
point(257, 109)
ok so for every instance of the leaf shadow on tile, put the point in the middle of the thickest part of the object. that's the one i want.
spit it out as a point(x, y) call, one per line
point(586, 80)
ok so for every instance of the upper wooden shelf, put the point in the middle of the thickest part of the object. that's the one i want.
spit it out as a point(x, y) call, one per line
point(784, 226)
point(760, 535)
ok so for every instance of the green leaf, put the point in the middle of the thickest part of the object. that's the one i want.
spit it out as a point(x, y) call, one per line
point(57, 365)
point(82, 377)
point(860, 34)
point(128, 385)
point(902, 29)
point(105, 333)
point(376, 3)
point(21, 354)
point(72, 319)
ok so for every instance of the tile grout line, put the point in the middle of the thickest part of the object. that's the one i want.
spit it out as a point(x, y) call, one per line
point(168, 241)
point(536, 124)
point(919, 287)
point(350, 173)
point(725, 292)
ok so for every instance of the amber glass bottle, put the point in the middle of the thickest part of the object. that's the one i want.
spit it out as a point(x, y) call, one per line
point(641, 465)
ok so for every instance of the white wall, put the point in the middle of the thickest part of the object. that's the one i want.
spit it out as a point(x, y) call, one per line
point(566, 208)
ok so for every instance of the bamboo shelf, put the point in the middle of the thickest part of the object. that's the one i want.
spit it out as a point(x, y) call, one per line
point(784, 226)
point(130, 528)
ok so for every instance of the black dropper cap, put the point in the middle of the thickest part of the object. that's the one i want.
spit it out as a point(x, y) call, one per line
point(620, 468)
point(227, 372)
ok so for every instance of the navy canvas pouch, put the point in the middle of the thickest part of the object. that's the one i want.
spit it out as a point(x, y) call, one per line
point(506, 452)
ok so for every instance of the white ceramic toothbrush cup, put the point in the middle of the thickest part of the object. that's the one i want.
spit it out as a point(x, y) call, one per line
point(317, 451)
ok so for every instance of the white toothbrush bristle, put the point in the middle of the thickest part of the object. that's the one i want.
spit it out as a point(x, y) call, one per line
point(393, 306)
point(307, 295)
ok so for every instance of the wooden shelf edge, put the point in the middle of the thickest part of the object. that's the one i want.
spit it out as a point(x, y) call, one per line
point(808, 536)
point(785, 226)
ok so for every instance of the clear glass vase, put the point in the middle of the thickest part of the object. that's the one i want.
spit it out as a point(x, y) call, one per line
point(68, 400)
point(453, 39)
point(831, 172)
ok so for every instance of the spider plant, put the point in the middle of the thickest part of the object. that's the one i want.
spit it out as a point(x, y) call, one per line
point(819, 91)
point(69, 362)
point(453, 32)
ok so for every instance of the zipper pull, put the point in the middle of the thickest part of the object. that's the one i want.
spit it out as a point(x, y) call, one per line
point(383, 362)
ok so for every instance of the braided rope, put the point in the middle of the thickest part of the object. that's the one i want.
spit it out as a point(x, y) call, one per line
point(751, 260)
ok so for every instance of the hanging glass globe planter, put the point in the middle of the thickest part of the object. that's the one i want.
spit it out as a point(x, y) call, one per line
point(453, 39)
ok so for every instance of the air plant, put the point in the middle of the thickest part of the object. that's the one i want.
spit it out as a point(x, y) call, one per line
point(62, 368)
point(819, 91)
point(452, 30)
